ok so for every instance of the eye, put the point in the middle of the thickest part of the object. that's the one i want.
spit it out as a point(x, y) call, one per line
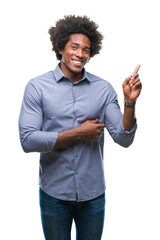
point(74, 47)
point(87, 51)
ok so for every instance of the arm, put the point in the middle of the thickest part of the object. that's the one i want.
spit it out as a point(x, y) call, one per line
point(90, 130)
point(32, 138)
point(131, 88)
point(122, 127)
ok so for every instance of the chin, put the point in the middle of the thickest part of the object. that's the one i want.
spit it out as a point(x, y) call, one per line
point(76, 70)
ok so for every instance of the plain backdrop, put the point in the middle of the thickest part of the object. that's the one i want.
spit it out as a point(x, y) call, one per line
point(131, 31)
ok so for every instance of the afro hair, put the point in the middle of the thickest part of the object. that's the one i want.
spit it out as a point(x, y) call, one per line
point(60, 34)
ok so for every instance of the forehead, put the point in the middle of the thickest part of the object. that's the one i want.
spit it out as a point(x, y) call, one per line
point(80, 39)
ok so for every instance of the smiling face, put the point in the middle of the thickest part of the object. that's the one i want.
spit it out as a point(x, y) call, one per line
point(75, 55)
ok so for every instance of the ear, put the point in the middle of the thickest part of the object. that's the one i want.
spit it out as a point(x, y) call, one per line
point(61, 52)
point(88, 59)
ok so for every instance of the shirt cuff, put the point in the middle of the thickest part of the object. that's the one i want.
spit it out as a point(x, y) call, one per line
point(121, 129)
point(52, 139)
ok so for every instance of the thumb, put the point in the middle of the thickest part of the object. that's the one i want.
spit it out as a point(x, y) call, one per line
point(127, 80)
point(95, 120)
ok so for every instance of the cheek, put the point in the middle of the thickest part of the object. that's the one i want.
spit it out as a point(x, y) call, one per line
point(62, 59)
point(65, 57)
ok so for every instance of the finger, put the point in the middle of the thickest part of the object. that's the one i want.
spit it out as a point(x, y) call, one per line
point(97, 138)
point(99, 125)
point(99, 134)
point(138, 85)
point(136, 69)
point(100, 131)
point(135, 76)
point(93, 120)
point(133, 81)
point(126, 81)
point(136, 81)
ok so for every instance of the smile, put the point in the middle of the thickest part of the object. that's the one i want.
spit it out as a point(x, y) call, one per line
point(78, 63)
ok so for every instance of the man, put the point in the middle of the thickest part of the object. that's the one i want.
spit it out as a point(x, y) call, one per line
point(63, 116)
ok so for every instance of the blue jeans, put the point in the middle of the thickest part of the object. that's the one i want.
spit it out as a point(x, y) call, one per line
point(57, 216)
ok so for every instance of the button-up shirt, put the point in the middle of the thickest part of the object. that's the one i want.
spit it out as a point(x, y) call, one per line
point(53, 103)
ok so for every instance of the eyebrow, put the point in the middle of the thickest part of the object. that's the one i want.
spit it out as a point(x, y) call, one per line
point(77, 44)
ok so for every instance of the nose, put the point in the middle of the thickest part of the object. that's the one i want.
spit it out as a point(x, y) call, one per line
point(79, 53)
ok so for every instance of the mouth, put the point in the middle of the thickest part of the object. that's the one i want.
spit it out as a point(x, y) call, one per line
point(77, 63)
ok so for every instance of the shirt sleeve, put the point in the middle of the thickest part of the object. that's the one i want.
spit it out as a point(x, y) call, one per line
point(114, 122)
point(32, 137)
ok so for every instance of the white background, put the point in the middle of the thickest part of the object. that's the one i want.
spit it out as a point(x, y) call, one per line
point(131, 30)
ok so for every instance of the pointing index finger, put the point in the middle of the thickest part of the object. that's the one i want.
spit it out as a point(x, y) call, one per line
point(136, 69)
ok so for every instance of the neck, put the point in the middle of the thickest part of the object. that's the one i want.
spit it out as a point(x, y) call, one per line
point(73, 76)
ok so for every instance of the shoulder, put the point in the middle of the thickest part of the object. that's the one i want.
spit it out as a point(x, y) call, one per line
point(40, 82)
point(43, 78)
point(102, 87)
point(36, 85)
point(98, 81)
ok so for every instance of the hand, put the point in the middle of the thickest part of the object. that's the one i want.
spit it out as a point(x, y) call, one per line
point(90, 130)
point(132, 86)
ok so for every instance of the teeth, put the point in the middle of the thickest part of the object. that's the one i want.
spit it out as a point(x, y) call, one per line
point(77, 62)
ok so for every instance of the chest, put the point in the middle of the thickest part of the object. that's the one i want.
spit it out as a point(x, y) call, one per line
point(81, 102)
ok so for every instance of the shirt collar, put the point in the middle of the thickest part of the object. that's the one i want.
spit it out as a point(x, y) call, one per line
point(59, 75)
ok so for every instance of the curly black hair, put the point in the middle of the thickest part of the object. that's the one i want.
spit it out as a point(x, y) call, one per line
point(60, 34)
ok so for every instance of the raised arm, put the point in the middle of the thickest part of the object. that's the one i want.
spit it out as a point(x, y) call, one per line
point(122, 128)
point(131, 89)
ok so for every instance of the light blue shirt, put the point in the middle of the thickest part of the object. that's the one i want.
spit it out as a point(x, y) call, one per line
point(51, 104)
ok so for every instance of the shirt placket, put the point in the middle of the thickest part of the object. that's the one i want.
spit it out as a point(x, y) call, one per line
point(75, 154)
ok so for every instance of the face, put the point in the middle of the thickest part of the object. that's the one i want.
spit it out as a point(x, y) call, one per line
point(75, 54)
